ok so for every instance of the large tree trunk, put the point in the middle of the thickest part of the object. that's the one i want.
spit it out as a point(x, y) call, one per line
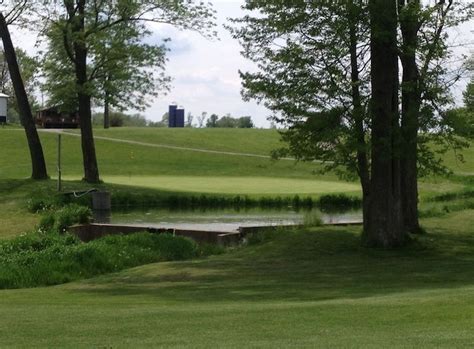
point(384, 228)
point(91, 170)
point(358, 114)
point(411, 101)
point(106, 111)
point(36, 150)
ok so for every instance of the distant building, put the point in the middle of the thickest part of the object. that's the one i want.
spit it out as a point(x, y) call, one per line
point(54, 118)
point(176, 116)
point(3, 108)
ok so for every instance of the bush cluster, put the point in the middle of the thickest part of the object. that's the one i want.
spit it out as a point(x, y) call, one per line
point(59, 220)
point(40, 259)
point(132, 200)
point(43, 201)
point(339, 202)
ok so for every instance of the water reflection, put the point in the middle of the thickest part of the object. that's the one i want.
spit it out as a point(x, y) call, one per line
point(221, 219)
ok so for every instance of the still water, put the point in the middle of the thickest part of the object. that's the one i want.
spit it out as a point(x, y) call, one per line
point(226, 220)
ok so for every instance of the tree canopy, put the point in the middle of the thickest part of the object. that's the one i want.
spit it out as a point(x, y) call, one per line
point(30, 69)
point(324, 72)
point(96, 47)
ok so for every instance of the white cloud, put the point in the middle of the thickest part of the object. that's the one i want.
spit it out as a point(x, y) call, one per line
point(205, 75)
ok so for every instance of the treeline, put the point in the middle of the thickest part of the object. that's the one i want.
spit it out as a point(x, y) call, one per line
point(229, 122)
point(119, 119)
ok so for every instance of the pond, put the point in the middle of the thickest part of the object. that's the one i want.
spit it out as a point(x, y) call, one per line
point(222, 220)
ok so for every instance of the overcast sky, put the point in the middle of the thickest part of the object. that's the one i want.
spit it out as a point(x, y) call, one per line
point(205, 73)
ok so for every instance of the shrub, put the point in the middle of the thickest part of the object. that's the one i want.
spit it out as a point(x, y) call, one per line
point(64, 217)
point(38, 258)
point(48, 200)
point(339, 202)
point(40, 202)
point(134, 200)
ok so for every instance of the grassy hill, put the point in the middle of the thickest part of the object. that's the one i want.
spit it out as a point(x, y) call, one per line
point(254, 141)
point(178, 169)
point(116, 158)
point(148, 158)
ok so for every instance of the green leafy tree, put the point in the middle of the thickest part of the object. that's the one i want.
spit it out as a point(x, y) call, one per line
point(95, 32)
point(29, 69)
point(124, 74)
point(423, 53)
point(461, 120)
point(212, 121)
point(469, 96)
point(118, 119)
point(227, 121)
point(314, 76)
point(317, 76)
point(245, 122)
point(385, 225)
point(38, 163)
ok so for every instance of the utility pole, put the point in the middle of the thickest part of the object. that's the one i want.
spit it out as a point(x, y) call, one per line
point(59, 163)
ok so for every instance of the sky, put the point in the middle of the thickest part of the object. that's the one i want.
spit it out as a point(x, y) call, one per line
point(205, 72)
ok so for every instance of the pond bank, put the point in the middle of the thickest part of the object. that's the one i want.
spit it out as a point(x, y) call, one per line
point(89, 232)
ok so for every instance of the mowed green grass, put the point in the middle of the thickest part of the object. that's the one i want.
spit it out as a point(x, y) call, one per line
point(122, 159)
point(253, 141)
point(171, 169)
point(250, 141)
point(237, 185)
point(461, 162)
point(307, 288)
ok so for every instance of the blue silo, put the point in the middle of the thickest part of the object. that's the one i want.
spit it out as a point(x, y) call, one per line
point(179, 117)
point(172, 115)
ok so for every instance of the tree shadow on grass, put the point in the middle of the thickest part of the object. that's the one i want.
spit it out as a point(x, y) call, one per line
point(326, 264)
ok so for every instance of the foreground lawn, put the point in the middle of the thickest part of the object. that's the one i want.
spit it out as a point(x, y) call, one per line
point(311, 288)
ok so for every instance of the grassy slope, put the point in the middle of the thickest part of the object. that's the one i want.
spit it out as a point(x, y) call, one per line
point(253, 141)
point(465, 166)
point(304, 289)
point(119, 159)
